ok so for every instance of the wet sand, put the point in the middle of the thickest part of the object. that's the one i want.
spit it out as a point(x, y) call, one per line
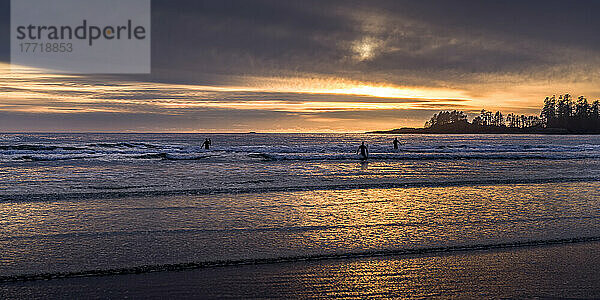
point(559, 271)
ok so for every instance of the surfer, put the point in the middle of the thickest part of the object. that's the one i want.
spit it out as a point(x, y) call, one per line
point(206, 144)
point(364, 151)
point(396, 142)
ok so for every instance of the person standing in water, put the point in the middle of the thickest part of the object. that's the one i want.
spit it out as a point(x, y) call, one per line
point(396, 142)
point(206, 144)
point(364, 151)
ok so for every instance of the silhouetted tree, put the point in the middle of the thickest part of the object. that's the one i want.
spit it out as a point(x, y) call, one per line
point(498, 119)
point(595, 111)
point(579, 116)
point(446, 117)
point(561, 113)
point(564, 110)
point(548, 113)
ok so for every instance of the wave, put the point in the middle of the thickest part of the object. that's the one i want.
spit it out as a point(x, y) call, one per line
point(266, 157)
point(117, 187)
point(170, 156)
point(54, 157)
point(290, 229)
point(32, 197)
point(423, 156)
point(39, 147)
point(122, 145)
point(299, 258)
point(315, 152)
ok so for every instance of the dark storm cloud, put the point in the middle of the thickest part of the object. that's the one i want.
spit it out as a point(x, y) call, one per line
point(423, 38)
point(415, 41)
point(570, 23)
point(245, 37)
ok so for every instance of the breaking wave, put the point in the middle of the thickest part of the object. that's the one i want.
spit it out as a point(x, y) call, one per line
point(122, 192)
point(424, 156)
point(330, 152)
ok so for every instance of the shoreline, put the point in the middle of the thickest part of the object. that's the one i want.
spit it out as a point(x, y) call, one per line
point(400, 253)
point(484, 132)
point(560, 270)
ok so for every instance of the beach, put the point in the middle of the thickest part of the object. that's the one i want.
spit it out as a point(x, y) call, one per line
point(299, 215)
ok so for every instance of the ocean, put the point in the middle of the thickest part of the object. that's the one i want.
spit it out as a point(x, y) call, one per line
point(85, 204)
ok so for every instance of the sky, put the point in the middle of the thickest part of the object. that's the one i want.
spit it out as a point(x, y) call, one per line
point(319, 66)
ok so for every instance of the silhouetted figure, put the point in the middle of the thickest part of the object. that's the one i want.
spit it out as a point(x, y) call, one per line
point(206, 144)
point(364, 151)
point(396, 142)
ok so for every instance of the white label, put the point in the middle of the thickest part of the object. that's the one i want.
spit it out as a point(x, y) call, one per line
point(81, 36)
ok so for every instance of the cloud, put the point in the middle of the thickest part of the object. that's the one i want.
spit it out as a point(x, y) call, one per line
point(355, 39)
point(313, 64)
point(218, 120)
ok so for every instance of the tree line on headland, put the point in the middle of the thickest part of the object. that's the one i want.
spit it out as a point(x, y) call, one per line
point(561, 115)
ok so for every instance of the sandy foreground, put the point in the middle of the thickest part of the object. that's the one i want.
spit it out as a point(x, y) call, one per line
point(559, 271)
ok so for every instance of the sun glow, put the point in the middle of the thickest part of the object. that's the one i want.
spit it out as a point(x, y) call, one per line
point(342, 86)
point(34, 91)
